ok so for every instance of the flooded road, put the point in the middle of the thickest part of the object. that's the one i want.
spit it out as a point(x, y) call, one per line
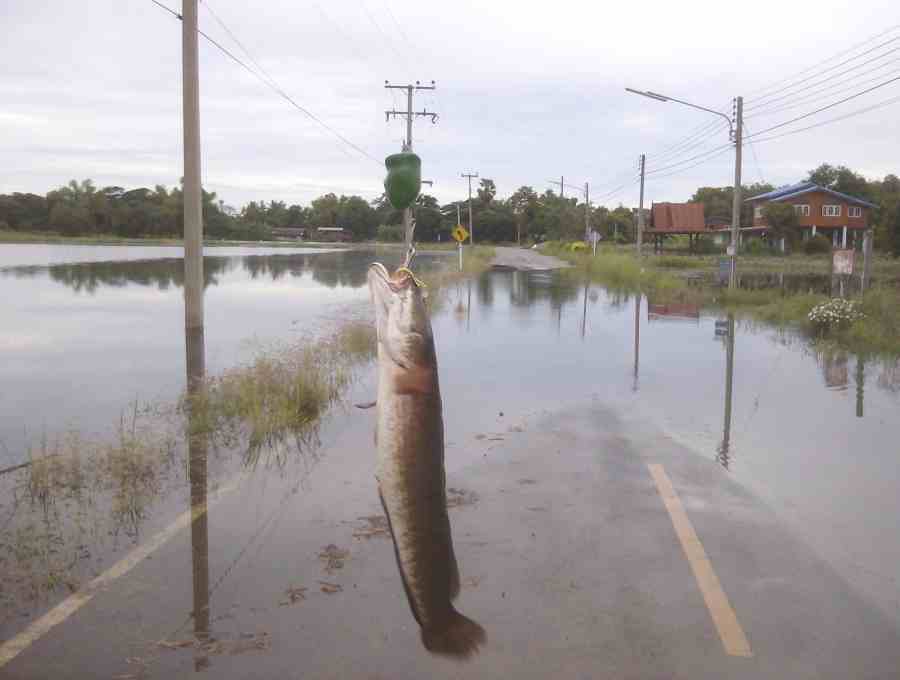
point(557, 396)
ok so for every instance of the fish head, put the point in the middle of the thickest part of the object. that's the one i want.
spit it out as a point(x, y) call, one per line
point(401, 318)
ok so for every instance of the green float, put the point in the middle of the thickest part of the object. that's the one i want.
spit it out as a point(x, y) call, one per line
point(404, 178)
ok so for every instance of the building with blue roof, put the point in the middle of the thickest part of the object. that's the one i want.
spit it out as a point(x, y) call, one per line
point(841, 217)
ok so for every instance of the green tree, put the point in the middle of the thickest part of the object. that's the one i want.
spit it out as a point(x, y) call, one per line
point(486, 192)
point(782, 220)
point(524, 205)
point(896, 240)
point(356, 215)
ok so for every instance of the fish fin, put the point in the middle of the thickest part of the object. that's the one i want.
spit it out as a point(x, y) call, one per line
point(460, 638)
point(409, 597)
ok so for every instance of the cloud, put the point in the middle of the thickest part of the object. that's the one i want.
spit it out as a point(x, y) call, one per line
point(526, 92)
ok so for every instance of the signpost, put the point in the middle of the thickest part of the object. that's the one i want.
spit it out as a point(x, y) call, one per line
point(460, 234)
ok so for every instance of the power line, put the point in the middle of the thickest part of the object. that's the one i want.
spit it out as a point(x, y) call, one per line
point(678, 172)
point(755, 157)
point(387, 38)
point(879, 105)
point(829, 106)
point(829, 78)
point(825, 61)
point(274, 86)
point(828, 91)
point(688, 160)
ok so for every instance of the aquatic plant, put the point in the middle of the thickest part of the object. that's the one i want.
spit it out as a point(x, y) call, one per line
point(834, 313)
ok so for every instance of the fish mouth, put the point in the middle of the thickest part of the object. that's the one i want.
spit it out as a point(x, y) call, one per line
point(399, 280)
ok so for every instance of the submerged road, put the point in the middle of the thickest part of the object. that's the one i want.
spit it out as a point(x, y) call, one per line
point(589, 547)
point(525, 259)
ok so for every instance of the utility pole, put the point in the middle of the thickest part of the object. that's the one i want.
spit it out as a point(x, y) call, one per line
point(640, 225)
point(736, 206)
point(469, 176)
point(409, 114)
point(193, 215)
point(587, 213)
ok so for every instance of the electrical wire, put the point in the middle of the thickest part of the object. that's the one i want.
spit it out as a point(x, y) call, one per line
point(755, 157)
point(687, 160)
point(681, 170)
point(827, 92)
point(829, 106)
point(851, 114)
point(828, 79)
point(278, 90)
point(830, 68)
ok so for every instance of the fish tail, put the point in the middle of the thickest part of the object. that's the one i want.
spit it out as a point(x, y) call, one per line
point(460, 637)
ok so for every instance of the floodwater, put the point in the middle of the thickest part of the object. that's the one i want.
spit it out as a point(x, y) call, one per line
point(813, 434)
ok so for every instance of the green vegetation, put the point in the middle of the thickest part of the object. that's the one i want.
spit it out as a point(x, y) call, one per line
point(659, 277)
point(80, 209)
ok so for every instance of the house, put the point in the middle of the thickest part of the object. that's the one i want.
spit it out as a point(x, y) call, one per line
point(669, 219)
point(840, 217)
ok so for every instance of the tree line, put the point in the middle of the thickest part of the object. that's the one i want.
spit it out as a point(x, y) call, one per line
point(80, 208)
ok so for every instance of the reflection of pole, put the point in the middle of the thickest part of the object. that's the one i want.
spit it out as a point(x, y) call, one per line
point(637, 338)
point(584, 312)
point(468, 303)
point(197, 474)
point(639, 236)
point(860, 385)
point(729, 380)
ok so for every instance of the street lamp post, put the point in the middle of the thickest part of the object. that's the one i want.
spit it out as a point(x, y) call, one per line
point(735, 133)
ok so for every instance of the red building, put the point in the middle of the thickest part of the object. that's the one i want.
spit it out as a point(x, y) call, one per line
point(841, 217)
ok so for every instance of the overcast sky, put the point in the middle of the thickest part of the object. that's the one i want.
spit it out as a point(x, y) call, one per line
point(526, 92)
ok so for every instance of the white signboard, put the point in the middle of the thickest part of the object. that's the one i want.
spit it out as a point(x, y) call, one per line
point(843, 262)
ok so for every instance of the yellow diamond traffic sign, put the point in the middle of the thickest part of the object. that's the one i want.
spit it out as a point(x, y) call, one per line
point(460, 233)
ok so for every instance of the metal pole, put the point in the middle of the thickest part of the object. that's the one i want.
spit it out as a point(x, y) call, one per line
point(193, 215)
point(640, 225)
point(736, 204)
point(562, 191)
point(459, 243)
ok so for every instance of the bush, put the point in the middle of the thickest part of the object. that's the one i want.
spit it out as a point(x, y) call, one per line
point(755, 246)
point(391, 233)
point(704, 245)
point(834, 313)
point(4, 226)
point(817, 245)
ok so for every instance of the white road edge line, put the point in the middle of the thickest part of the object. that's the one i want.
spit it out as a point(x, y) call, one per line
point(11, 648)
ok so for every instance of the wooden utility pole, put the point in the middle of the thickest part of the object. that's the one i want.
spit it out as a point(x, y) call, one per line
point(193, 214)
point(640, 224)
point(409, 114)
point(736, 205)
point(470, 176)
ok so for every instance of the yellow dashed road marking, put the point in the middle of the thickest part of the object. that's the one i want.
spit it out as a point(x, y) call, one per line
point(10, 649)
point(723, 616)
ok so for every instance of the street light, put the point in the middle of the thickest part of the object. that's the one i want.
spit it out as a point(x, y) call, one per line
point(735, 134)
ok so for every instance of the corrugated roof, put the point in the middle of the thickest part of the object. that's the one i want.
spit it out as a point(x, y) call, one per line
point(678, 218)
point(801, 188)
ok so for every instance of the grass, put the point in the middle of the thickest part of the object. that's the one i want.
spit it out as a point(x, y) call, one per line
point(878, 332)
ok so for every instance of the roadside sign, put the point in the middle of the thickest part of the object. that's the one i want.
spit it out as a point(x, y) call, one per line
point(459, 233)
point(843, 262)
point(721, 328)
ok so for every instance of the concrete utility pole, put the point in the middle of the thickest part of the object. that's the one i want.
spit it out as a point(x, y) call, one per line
point(471, 224)
point(193, 215)
point(587, 213)
point(409, 114)
point(736, 206)
point(639, 238)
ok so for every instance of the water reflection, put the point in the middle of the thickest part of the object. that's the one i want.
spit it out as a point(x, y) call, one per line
point(197, 475)
point(723, 454)
point(637, 340)
point(331, 269)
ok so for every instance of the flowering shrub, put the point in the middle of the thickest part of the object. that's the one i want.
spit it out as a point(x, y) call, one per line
point(834, 313)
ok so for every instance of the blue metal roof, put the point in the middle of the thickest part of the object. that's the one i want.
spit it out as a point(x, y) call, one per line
point(800, 188)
